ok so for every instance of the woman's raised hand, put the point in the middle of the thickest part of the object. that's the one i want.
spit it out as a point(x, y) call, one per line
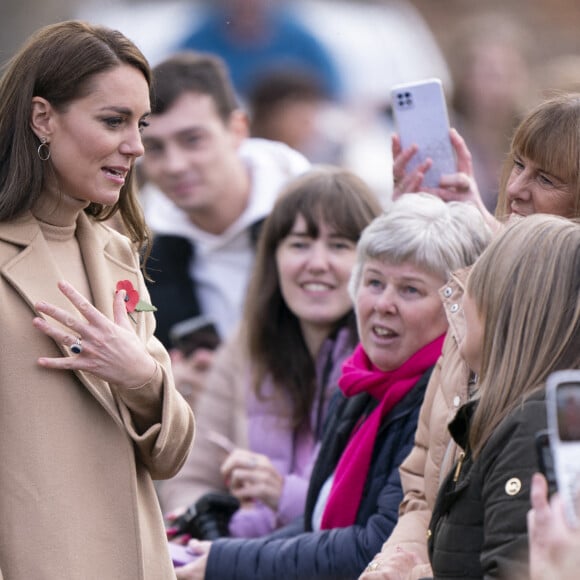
point(459, 186)
point(110, 350)
point(404, 182)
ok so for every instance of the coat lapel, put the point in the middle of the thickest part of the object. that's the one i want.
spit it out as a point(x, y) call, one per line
point(32, 261)
point(103, 268)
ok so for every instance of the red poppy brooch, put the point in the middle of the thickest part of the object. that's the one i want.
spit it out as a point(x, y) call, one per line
point(132, 301)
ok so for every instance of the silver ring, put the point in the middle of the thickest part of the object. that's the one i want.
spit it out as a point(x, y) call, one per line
point(77, 347)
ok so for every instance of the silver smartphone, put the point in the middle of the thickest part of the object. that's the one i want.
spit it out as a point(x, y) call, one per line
point(421, 118)
point(563, 408)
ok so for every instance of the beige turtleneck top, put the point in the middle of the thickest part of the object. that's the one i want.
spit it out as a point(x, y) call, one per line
point(57, 218)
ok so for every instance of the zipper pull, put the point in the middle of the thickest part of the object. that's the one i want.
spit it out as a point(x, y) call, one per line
point(458, 467)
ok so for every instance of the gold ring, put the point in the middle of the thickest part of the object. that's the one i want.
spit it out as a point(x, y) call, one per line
point(374, 565)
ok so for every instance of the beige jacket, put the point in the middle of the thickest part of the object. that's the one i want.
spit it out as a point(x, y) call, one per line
point(434, 452)
point(77, 499)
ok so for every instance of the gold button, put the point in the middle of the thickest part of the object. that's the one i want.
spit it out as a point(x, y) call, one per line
point(513, 486)
point(429, 534)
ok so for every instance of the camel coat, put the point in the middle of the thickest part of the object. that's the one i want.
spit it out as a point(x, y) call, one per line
point(77, 500)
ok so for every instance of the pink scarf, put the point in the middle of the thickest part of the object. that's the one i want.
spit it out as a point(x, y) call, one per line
point(360, 375)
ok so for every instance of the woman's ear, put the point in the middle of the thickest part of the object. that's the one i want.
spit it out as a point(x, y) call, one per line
point(41, 117)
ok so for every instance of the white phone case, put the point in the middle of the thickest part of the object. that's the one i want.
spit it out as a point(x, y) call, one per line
point(421, 118)
point(563, 413)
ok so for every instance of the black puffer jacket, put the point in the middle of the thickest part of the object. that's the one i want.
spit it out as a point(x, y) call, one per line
point(339, 553)
point(478, 528)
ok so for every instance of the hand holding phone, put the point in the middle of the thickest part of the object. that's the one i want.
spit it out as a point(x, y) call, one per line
point(563, 408)
point(421, 119)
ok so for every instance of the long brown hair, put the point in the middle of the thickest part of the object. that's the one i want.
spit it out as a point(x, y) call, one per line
point(58, 63)
point(275, 343)
point(526, 288)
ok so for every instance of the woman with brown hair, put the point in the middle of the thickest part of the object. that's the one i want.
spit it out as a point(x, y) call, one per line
point(88, 408)
point(268, 390)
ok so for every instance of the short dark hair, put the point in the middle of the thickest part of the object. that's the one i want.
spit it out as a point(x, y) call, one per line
point(278, 88)
point(193, 72)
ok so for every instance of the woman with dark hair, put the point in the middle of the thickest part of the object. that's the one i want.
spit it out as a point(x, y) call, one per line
point(269, 388)
point(88, 408)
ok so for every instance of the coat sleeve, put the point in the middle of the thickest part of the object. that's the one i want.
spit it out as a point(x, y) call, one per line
point(220, 408)
point(155, 415)
point(324, 555)
point(508, 462)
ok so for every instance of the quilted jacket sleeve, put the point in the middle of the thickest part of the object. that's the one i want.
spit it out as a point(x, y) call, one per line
point(508, 462)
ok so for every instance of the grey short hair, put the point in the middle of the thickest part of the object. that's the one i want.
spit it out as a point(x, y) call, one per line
point(420, 228)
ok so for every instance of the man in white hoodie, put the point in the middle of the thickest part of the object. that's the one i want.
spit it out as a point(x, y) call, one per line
point(214, 188)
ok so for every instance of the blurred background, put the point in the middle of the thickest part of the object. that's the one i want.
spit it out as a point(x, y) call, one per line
point(554, 23)
point(495, 58)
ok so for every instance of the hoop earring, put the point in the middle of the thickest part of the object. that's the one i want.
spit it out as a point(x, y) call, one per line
point(43, 150)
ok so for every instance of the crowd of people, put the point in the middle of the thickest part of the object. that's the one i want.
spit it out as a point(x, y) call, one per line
point(370, 405)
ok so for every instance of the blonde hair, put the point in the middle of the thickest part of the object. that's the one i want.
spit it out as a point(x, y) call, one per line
point(526, 287)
